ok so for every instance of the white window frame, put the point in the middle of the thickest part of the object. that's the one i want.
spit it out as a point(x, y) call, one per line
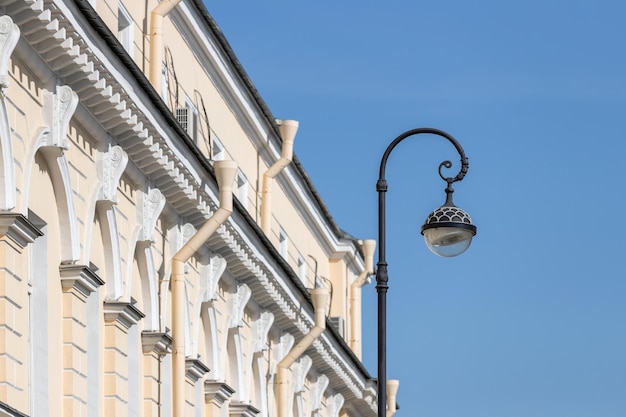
point(218, 151)
point(283, 243)
point(302, 268)
point(242, 188)
point(165, 82)
point(125, 29)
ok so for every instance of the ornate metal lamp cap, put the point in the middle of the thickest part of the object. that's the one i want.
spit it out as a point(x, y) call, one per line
point(448, 231)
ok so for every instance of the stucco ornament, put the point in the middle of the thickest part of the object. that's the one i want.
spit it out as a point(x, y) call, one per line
point(283, 347)
point(263, 326)
point(57, 112)
point(111, 166)
point(152, 204)
point(334, 405)
point(9, 35)
point(317, 392)
point(215, 269)
point(238, 304)
point(300, 370)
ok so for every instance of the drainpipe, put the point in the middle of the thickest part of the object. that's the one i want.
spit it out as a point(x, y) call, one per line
point(156, 40)
point(392, 390)
point(288, 129)
point(225, 172)
point(320, 301)
point(368, 246)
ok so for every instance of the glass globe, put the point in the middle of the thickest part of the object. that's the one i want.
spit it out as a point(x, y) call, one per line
point(448, 241)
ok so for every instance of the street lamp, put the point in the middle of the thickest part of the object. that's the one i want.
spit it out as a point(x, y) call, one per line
point(448, 232)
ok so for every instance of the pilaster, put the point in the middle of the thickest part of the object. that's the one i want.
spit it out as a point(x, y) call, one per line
point(16, 232)
point(77, 283)
point(155, 346)
point(118, 318)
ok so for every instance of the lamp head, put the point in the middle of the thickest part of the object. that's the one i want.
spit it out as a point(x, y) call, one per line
point(448, 231)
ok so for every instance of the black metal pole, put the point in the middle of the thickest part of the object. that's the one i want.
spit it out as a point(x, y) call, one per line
point(382, 276)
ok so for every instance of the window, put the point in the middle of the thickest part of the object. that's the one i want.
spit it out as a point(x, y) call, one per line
point(165, 82)
point(242, 188)
point(283, 243)
point(301, 269)
point(125, 33)
point(218, 149)
point(188, 118)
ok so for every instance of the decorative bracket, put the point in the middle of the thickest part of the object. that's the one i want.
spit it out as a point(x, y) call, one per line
point(239, 301)
point(152, 204)
point(9, 35)
point(300, 370)
point(334, 405)
point(111, 166)
point(318, 392)
point(262, 327)
point(282, 349)
point(215, 270)
point(58, 109)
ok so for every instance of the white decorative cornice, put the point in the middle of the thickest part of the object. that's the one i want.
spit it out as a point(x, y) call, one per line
point(121, 312)
point(300, 370)
point(158, 342)
point(151, 206)
point(217, 392)
point(334, 405)
point(19, 229)
point(9, 35)
point(58, 109)
point(195, 369)
point(110, 167)
point(80, 278)
point(238, 304)
point(262, 327)
point(214, 271)
point(317, 392)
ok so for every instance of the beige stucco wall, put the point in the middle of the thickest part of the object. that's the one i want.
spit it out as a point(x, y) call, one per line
point(85, 306)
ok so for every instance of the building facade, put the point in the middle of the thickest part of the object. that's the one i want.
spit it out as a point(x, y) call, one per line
point(142, 272)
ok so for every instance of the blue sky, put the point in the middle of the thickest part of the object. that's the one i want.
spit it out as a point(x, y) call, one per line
point(530, 321)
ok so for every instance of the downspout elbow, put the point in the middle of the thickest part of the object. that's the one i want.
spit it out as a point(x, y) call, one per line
point(320, 302)
point(156, 39)
point(225, 172)
point(288, 129)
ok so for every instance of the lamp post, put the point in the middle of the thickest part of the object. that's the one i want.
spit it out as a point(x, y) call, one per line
point(448, 232)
